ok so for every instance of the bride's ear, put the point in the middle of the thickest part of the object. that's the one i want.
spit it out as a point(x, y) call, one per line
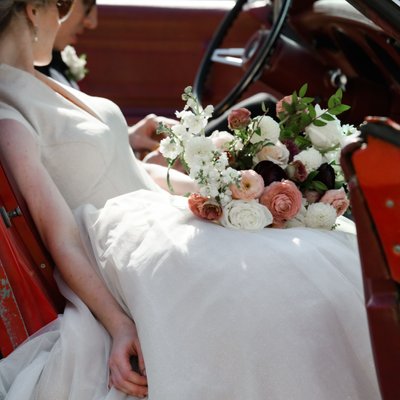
point(31, 11)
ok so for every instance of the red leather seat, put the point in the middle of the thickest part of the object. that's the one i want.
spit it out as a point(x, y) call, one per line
point(372, 169)
point(29, 297)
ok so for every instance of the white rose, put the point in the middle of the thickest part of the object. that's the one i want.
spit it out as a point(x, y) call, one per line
point(269, 130)
point(311, 158)
point(324, 137)
point(277, 153)
point(248, 215)
point(320, 215)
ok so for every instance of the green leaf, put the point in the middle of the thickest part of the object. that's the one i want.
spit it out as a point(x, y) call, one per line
point(327, 117)
point(302, 142)
point(339, 94)
point(307, 100)
point(305, 120)
point(303, 90)
point(311, 111)
point(339, 109)
point(319, 186)
point(318, 122)
point(333, 101)
point(281, 115)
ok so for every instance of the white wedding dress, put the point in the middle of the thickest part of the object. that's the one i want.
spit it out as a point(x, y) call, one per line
point(221, 314)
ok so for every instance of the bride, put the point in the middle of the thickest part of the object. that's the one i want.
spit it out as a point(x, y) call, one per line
point(160, 303)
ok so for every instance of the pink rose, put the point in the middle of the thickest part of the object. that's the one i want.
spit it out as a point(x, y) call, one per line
point(239, 118)
point(204, 207)
point(337, 198)
point(283, 199)
point(251, 186)
point(279, 105)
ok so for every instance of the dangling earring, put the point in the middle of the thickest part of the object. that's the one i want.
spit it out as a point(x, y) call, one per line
point(35, 34)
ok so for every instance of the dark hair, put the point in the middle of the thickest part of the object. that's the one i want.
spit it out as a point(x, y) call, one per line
point(89, 4)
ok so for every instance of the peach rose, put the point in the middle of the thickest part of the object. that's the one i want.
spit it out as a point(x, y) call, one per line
point(277, 153)
point(221, 139)
point(279, 104)
point(337, 198)
point(283, 199)
point(239, 118)
point(251, 186)
point(204, 207)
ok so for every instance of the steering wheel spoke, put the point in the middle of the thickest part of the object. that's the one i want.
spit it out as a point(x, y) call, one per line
point(233, 56)
point(251, 59)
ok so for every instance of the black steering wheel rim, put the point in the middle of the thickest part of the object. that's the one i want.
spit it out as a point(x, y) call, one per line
point(255, 67)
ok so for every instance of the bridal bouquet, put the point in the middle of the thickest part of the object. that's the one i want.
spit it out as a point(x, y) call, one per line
point(264, 173)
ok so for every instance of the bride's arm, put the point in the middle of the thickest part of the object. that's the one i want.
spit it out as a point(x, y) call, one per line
point(180, 182)
point(60, 234)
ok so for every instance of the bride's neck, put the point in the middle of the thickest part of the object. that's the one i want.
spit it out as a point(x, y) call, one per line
point(15, 48)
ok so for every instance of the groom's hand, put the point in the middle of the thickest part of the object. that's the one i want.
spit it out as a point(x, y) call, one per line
point(142, 135)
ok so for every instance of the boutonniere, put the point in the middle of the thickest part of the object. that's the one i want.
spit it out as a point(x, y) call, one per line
point(76, 64)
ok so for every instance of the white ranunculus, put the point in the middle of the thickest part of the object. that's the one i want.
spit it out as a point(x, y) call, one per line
point(324, 137)
point(199, 150)
point(269, 130)
point(320, 215)
point(311, 158)
point(247, 215)
point(170, 148)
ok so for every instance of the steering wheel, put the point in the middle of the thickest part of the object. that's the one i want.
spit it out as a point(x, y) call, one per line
point(254, 57)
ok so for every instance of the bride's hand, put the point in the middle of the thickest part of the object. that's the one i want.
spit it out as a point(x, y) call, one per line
point(126, 346)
